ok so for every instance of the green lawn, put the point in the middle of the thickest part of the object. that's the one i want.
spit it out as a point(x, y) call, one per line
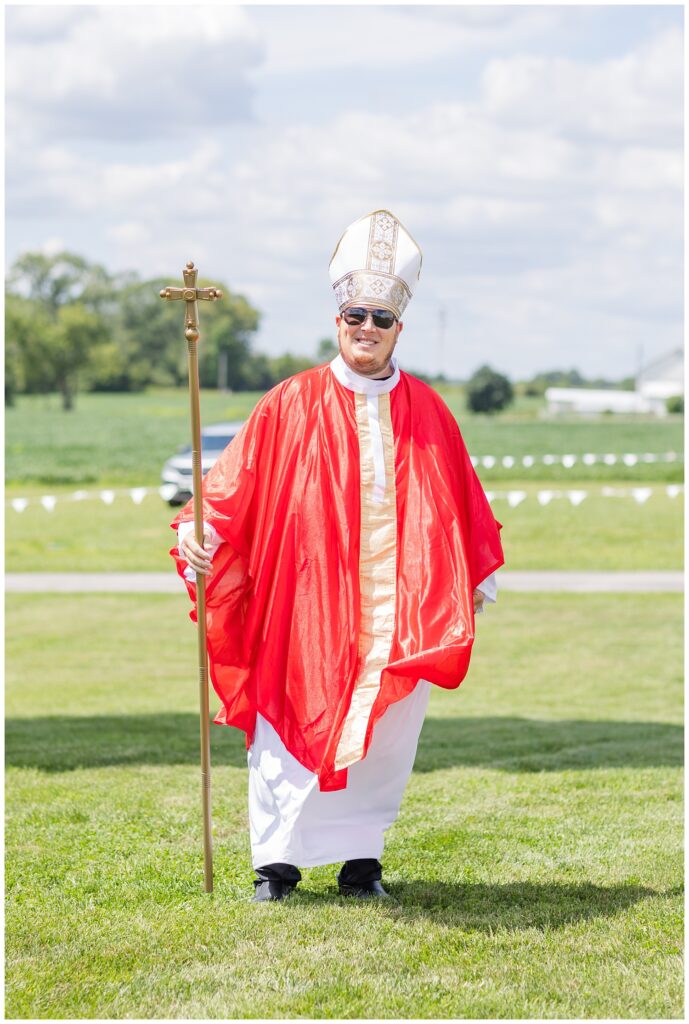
point(601, 533)
point(536, 867)
point(125, 439)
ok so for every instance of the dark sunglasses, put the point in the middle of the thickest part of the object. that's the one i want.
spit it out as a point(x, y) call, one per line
point(356, 315)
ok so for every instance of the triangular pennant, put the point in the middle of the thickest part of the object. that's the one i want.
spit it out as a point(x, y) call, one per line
point(107, 497)
point(544, 497)
point(515, 498)
point(137, 494)
point(576, 497)
point(19, 504)
point(48, 501)
point(488, 461)
point(641, 494)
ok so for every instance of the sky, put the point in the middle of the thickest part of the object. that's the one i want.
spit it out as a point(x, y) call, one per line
point(534, 153)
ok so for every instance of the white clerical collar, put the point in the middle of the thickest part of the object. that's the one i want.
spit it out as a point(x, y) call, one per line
point(364, 385)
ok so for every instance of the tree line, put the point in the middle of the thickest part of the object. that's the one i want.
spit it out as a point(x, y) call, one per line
point(71, 325)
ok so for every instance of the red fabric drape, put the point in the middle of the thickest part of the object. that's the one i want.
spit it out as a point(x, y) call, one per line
point(283, 601)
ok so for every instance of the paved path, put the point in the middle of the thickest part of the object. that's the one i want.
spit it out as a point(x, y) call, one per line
point(170, 583)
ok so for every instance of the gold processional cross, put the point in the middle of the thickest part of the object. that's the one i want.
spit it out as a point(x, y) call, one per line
point(191, 294)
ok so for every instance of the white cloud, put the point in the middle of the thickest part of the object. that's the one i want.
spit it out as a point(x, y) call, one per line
point(547, 201)
point(117, 73)
point(636, 96)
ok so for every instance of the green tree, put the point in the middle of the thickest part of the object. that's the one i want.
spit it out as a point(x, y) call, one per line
point(488, 391)
point(326, 351)
point(58, 317)
point(287, 365)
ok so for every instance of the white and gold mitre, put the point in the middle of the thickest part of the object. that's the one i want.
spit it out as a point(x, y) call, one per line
point(376, 261)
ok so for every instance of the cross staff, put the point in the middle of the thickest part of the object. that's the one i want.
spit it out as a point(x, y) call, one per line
point(191, 294)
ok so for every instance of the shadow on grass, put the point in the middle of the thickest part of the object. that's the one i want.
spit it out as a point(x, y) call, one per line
point(62, 743)
point(513, 906)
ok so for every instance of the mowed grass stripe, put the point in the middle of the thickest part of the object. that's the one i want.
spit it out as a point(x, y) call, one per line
point(536, 866)
point(124, 439)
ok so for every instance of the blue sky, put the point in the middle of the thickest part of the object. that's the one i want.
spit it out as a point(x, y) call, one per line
point(535, 153)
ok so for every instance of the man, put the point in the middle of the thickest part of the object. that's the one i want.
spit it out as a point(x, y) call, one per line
point(347, 545)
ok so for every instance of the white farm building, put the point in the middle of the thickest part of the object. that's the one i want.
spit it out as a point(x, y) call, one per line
point(660, 380)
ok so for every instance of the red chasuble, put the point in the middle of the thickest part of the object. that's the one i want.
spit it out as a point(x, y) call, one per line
point(294, 602)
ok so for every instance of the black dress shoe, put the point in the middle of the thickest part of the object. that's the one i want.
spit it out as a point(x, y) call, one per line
point(275, 882)
point(267, 891)
point(361, 878)
point(365, 890)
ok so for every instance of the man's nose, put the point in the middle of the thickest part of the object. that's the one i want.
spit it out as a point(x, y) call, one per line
point(369, 316)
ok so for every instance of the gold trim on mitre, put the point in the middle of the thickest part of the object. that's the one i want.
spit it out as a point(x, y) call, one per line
point(374, 282)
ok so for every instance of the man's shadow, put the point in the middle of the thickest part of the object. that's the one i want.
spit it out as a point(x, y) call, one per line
point(489, 908)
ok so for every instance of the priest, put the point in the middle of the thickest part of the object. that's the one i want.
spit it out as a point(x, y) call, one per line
point(348, 544)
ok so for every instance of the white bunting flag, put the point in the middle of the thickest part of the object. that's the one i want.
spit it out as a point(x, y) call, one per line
point(137, 494)
point(515, 498)
point(19, 504)
point(80, 495)
point(507, 461)
point(576, 497)
point(490, 495)
point(544, 497)
point(167, 491)
point(630, 459)
point(107, 497)
point(610, 459)
point(474, 461)
point(641, 494)
point(672, 490)
point(528, 461)
point(650, 457)
point(549, 460)
point(589, 459)
point(488, 461)
point(48, 501)
point(568, 461)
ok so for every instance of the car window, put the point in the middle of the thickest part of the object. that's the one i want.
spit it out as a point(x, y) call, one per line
point(216, 442)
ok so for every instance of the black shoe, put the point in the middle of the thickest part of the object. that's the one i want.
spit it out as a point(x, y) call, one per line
point(268, 891)
point(361, 878)
point(275, 882)
point(364, 891)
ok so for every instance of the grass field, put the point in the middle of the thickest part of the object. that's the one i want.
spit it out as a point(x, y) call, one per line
point(125, 439)
point(122, 440)
point(601, 533)
point(536, 867)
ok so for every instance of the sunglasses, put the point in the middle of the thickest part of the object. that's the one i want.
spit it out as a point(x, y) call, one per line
point(356, 315)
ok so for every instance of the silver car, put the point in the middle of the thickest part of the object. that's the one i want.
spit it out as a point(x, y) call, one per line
point(177, 470)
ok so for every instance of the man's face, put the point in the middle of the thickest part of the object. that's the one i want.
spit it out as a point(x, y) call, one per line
point(365, 348)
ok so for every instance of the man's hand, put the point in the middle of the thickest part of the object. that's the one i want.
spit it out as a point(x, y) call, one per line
point(479, 598)
point(196, 556)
